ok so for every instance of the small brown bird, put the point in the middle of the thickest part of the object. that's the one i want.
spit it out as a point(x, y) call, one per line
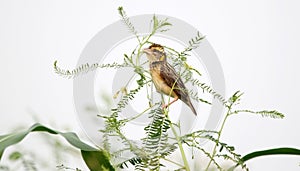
point(165, 77)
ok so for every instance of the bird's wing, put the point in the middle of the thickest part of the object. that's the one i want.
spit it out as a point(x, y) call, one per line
point(170, 77)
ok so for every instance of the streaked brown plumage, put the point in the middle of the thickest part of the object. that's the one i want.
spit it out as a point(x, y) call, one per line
point(165, 77)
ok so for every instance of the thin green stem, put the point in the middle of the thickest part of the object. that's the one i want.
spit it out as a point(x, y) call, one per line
point(140, 114)
point(140, 47)
point(132, 146)
point(178, 138)
point(186, 164)
point(171, 161)
point(219, 136)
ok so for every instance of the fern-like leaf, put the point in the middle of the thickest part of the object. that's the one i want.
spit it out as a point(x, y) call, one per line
point(85, 68)
point(265, 113)
point(195, 96)
point(197, 146)
point(133, 161)
point(126, 98)
point(156, 141)
point(193, 44)
point(127, 22)
point(159, 25)
point(208, 89)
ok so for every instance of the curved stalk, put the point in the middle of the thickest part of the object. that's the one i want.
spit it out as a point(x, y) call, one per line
point(178, 138)
point(219, 136)
point(186, 164)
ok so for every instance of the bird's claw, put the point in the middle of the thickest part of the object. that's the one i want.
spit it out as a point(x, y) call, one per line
point(164, 106)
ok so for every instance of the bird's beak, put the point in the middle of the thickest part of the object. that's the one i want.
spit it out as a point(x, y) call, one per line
point(147, 51)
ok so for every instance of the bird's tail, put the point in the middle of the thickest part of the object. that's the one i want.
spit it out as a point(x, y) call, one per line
point(189, 103)
point(193, 109)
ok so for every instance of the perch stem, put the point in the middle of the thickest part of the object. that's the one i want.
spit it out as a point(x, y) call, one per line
point(218, 138)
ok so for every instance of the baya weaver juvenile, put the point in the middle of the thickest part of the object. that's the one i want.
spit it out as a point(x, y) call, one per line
point(165, 78)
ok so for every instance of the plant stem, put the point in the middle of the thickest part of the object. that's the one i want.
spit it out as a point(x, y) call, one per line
point(168, 160)
point(186, 164)
point(140, 47)
point(219, 136)
point(140, 114)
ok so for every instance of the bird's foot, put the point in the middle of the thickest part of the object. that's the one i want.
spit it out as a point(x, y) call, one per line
point(164, 106)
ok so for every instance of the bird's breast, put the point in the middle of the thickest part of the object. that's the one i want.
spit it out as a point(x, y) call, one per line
point(156, 78)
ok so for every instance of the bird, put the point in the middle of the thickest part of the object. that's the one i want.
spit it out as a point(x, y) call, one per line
point(164, 77)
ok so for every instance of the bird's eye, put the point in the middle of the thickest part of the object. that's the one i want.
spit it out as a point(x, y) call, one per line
point(156, 52)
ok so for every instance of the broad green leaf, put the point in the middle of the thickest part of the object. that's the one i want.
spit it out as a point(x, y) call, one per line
point(96, 159)
point(282, 151)
point(274, 151)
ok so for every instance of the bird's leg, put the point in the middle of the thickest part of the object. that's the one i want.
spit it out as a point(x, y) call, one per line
point(166, 105)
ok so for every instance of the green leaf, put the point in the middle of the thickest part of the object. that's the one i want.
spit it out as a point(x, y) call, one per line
point(274, 151)
point(155, 22)
point(166, 24)
point(235, 97)
point(127, 22)
point(15, 156)
point(88, 152)
point(265, 113)
point(94, 159)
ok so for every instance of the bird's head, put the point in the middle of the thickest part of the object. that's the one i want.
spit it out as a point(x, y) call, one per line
point(155, 52)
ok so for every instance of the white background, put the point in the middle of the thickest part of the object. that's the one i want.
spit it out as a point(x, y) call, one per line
point(257, 43)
